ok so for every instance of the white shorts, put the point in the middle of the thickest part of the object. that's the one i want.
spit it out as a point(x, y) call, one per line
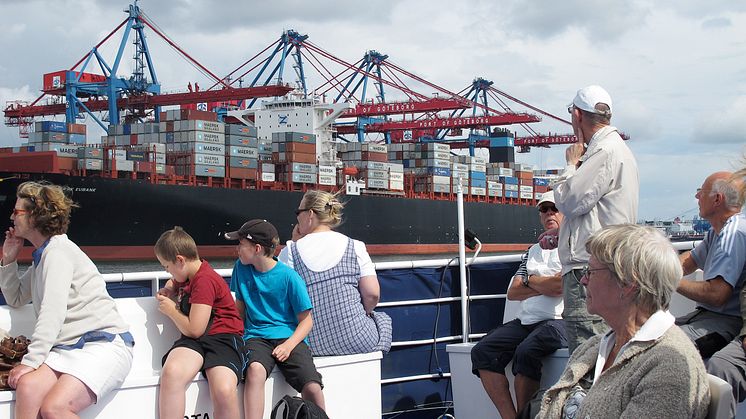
point(101, 366)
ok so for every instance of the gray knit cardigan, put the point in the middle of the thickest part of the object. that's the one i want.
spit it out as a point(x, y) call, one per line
point(665, 378)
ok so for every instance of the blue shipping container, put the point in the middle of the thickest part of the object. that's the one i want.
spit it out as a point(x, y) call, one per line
point(78, 139)
point(478, 183)
point(538, 181)
point(478, 175)
point(501, 142)
point(53, 126)
point(439, 171)
point(511, 194)
point(510, 180)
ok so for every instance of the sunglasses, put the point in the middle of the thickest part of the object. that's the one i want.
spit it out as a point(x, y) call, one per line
point(299, 210)
point(546, 208)
point(17, 212)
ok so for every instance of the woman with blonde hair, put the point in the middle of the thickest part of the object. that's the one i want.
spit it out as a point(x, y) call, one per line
point(645, 366)
point(341, 280)
point(80, 349)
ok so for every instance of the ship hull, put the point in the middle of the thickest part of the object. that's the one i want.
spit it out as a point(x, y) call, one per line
point(120, 219)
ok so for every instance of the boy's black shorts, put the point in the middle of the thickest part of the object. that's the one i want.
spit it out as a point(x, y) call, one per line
point(298, 369)
point(220, 350)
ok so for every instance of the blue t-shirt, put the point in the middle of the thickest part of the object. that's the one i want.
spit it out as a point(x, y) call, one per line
point(724, 255)
point(272, 299)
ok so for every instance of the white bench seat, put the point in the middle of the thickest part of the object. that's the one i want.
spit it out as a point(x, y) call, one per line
point(154, 334)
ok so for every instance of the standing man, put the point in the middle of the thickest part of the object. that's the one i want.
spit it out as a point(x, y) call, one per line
point(599, 187)
point(537, 332)
point(722, 258)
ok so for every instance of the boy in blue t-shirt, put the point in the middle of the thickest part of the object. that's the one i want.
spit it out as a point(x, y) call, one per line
point(274, 303)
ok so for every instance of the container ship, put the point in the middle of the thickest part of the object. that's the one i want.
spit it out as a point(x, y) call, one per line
point(210, 159)
point(209, 177)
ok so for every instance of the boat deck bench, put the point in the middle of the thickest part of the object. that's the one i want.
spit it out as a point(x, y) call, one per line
point(154, 334)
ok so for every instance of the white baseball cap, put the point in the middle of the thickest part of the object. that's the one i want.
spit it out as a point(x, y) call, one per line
point(546, 197)
point(587, 98)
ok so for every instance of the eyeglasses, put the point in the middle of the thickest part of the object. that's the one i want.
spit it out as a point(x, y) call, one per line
point(299, 210)
point(17, 212)
point(570, 109)
point(546, 208)
point(586, 272)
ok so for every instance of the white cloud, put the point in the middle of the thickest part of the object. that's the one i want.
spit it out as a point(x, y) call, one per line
point(723, 125)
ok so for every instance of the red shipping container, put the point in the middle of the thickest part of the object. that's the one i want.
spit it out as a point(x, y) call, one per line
point(382, 157)
point(241, 173)
point(56, 80)
point(300, 148)
point(193, 114)
point(76, 128)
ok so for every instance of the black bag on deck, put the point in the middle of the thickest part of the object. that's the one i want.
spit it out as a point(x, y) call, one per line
point(291, 407)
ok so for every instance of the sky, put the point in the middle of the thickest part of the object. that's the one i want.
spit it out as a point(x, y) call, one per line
point(676, 70)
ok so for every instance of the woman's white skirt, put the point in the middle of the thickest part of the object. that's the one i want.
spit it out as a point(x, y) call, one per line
point(101, 366)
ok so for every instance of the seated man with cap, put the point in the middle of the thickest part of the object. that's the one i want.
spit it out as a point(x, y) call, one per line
point(537, 332)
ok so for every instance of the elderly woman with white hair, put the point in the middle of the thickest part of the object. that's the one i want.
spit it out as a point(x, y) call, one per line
point(645, 366)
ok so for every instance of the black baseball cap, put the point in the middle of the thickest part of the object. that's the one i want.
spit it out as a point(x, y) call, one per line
point(258, 231)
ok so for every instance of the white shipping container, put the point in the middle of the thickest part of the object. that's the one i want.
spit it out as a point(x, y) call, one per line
point(204, 148)
point(375, 174)
point(90, 164)
point(478, 191)
point(63, 150)
point(375, 165)
point(377, 183)
point(118, 155)
point(327, 179)
point(526, 189)
point(121, 165)
point(504, 171)
point(268, 176)
point(203, 137)
point(459, 167)
point(442, 180)
point(396, 167)
point(197, 125)
point(299, 177)
point(327, 170)
point(436, 147)
point(526, 195)
point(209, 159)
point(248, 152)
point(396, 177)
point(267, 168)
point(510, 187)
point(396, 185)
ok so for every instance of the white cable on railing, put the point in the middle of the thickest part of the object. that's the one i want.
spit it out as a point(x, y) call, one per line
point(428, 341)
point(414, 378)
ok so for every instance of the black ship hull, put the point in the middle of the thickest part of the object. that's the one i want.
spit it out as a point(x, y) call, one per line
point(122, 218)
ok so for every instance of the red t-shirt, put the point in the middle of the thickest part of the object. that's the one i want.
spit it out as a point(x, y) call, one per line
point(207, 287)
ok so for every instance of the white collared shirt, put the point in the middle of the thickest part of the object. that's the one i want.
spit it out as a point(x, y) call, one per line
point(652, 329)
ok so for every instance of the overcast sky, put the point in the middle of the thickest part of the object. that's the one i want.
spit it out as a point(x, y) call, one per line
point(676, 70)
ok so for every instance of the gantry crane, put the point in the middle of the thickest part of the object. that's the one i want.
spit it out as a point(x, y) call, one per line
point(139, 94)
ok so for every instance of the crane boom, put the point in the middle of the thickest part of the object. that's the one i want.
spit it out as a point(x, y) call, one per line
point(461, 122)
point(413, 106)
point(13, 114)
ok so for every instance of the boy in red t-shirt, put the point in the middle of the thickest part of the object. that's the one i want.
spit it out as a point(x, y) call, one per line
point(201, 306)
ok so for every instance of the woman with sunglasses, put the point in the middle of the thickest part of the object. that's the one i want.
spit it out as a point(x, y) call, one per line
point(341, 280)
point(80, 347)
point(645, 366)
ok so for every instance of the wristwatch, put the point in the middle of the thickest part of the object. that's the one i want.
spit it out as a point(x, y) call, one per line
point(524, 281)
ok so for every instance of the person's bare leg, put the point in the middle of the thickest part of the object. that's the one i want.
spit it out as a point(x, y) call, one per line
point(498, 389)
point(525, 388)
point(312, 391)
